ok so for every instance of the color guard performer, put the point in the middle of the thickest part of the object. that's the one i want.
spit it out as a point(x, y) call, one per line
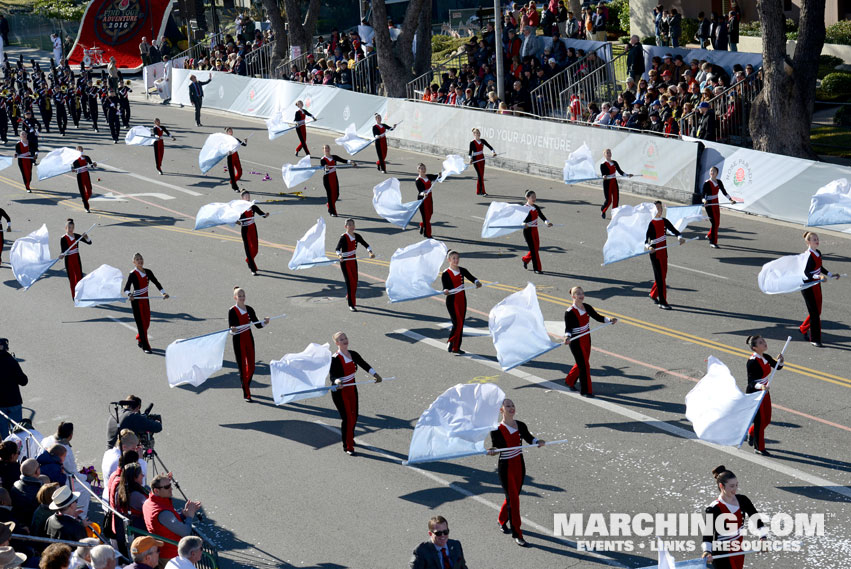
point(234, 165)
point(759, 368)
point(136, 287)
point(70, 246)
point(4, 215)
point(347, 252)
point(576, 322)
point(379, 132)
point(729, 502)
point(249, 232)
point(456, 299)
point(512, 467)
point(530, 233)
point(657, 244)
point(814, 272)
point(424, 189)
point(159, 145)
point(84, 179)
point(710, 190)
point(330, 180)
point(344, 366)
point(477, 159)
point(26, 156)
point(240, 319)
point(300, 129)
point(610, 169)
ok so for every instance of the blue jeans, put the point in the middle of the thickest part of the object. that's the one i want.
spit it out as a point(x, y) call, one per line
point(16, 413)
point(733, 47)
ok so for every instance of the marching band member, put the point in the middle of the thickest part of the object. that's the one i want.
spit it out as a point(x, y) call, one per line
point(139, 281)
point(249, 232)
point(456, 299)
point(530, 233)
point(729, 502)
point(234, 165)
point(477, 159)
point(32, 128)
point(379, 132)
point(4, 215)
point(759, 368)
point(329, 179)
point(710, 190)
point(91, 94)
point(814, 272)
point(300, 129)
point(70, 246)
point(575, 323)
point(512, 467)
point(657, 244)
point(26, 156)
point(159, 145)
point(61, 112)
point(240, 319)
point(124, 103)
point(347, 252)
point(112, 109)
point(344, 366)
point(610, 169)
point(424, 189)
point(84, 179)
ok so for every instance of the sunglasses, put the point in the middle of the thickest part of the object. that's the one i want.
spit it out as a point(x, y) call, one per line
point(168, 487)
point(441, 533)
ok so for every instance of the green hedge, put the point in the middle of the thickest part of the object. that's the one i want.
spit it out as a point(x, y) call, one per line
point(843, 116)
point(618, 16)
point(837, 84)
point(59, 9)
point(827, 65)
point(754, 29)
point(839, 33)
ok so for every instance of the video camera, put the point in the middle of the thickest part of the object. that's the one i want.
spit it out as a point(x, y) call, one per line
point(146, 439)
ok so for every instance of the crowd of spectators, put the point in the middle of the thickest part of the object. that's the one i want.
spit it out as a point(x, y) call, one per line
point(332, 61)
point(230, 52)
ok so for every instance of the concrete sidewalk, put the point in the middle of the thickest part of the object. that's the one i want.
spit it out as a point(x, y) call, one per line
point(13, 52)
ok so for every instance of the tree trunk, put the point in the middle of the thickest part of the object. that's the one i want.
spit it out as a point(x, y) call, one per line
point(422, 57)
point(279, 29)
point(300, 31)
point(395, 59)
point(575, 6)
point(782, 113)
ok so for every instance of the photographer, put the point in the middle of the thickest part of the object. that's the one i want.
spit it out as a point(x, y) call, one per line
point(11, 378)
point(130, 417)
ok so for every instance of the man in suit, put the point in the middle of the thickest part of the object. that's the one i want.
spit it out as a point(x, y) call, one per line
point(196, 95)
point(439, 552)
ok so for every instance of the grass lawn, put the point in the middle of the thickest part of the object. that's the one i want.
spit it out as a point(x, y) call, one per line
point(832, 140)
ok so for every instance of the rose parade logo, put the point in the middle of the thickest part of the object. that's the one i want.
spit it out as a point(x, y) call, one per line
point(741, 172)
point(118, 21)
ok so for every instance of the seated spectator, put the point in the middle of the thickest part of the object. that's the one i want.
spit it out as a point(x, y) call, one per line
point(604, 117)
point(82, 556)
point(10, 469)
point(519, 98)
point(503, 109)
point(6, 513)
point(672, 127)
point(64, 434)
point(656, 124)
point(25, 490)
point(614, 116)
point(56, 556)
point(43, 511)
point(493, 101)
point(127, 441)
point(469, 99)
point(162, 519)
point(631, 120)
point(189, 552)
point(6, 530)
point(10, 558)
point(64, 523)
point(559, 50)
point(146, 552)
point(427, 93)
point(103, 557)
point(50, 462)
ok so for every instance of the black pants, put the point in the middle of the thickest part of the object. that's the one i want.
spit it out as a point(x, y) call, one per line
point(114, 125)
point(197, 103)
point(125, 112)
point(61, 119)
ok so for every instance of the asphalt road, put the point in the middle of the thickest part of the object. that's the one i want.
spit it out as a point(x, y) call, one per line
point(276, 486)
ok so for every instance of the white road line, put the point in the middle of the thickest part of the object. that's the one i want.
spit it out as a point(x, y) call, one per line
point(652, 421)
point(241, 159)
point(477, 217)
point(464, 492)
point(696, 271)
point(150, 180)
point(128, 326)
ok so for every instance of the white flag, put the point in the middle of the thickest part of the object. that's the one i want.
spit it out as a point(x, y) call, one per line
point(504, 218)
point(413, 269)
point(457, 423)
point(681, 216)
point(627, 232)
point(387, 201)
point(5, 162)
point(295, 174)
point(719, 412)
point(453, 165)
point(352, 142)
point(278, 125)
point(30, 257)
point(300, 372)
point(216, 147)
point(217, 213)
point(783, 275)
point(140, 136)
point(579, 166)
point(831, 204)
point(518, 330)
point(57, 162)
point(310, 249)
point(102, 283)
point(192, 361)
point(666, 560)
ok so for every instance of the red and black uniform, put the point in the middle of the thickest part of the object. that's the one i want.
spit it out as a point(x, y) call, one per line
point(346, 398)
point(139, 281)
point(379, 132)
point(159, 146)
point(235, 167)
point(249, 235)
point(330, 181)
point(530, 234)
point(721, 543)
point(243, 344)
point(25, 162)
point(456, 303)
point(512, 471)
point(811, 327)
point(477, 159)
point(3, 215)
point(84, 180)
point(301, 130)
point(347, 248)
point(576, 322)
point(759, 368)
point(710, 194)
point(656, 237)
point(73, 266)
point(611, 193)
point(424, 190)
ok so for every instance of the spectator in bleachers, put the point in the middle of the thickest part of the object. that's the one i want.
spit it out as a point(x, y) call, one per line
point(130, 494)
point(493, 102)
point(43, 511)
point(64, 434)
point(635, 58)
point(50, 462)
point(25, 490)
point(189, 552)
point(64, 523)
point(162, 519)
point(706, 124)
point(529, 47)
point(82, 556)
point(559, 50)
point(11, 380)
point(146, 552)
point(56, 556)
point(344, 79)
point(603, 117)
point(103, 557)
point(126, 442)
point(10, 469)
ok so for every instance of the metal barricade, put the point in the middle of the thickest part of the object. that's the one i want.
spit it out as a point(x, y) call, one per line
point(209, 558)
point(732, 109)
point(259, 61)
point(548, 98)
point(365, 76)
point(416, 88)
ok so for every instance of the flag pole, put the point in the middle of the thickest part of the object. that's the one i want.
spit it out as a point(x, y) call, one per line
point(773, 371)
point(228, 329)
point(475, 453)
point(762, 395)
point(335, 387)
point(572, 338)
point(539, 354)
